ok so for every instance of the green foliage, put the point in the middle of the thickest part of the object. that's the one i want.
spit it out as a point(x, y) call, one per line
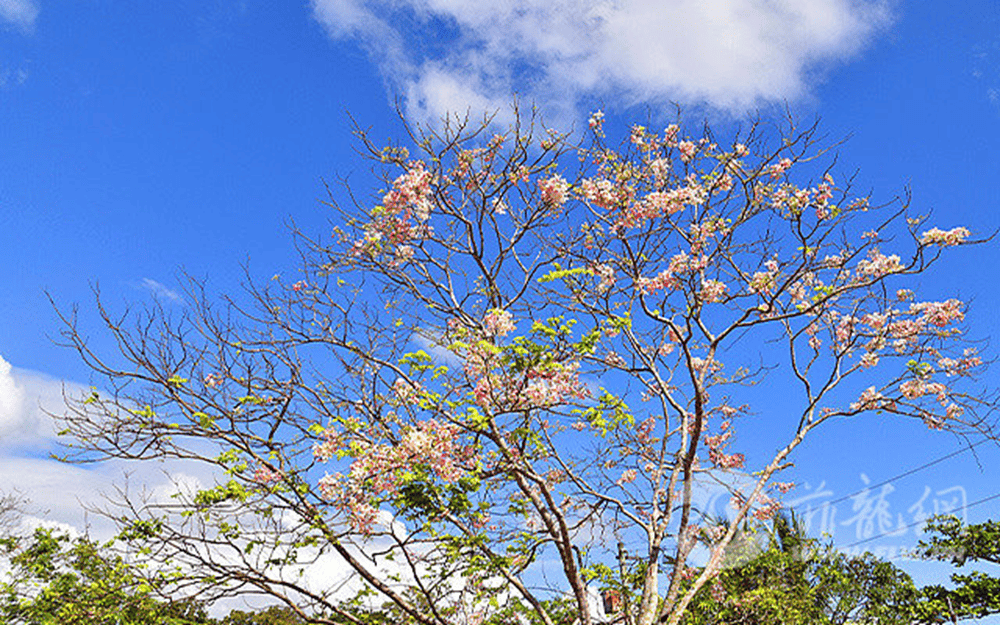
point(795, 580)
point(56, 580)
point(974, 595)
point(273, 615)
point(610, 413)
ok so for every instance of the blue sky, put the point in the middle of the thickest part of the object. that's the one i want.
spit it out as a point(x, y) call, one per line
point(139, 139)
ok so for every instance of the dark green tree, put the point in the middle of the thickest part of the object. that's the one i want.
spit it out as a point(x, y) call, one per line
point(975, 594)
point(796, 579)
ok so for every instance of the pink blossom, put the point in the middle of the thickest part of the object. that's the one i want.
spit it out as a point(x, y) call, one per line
point(777, 169)
point(498, 322)
point(868, 360)
point(670, 135)
point(638, 135)
point(914, 389)
point(712, 291)
point(688, 149)
point(660, 168)
point(555, 191)
point(960, 366)
point(378, 471)
point(939, 314)
point(332, 443)
point(944, 238)
point(763, 282)
point(536, 388)
point(878, 265)
point(726, 461)
point(606, 275)
point(212, 380)
point(600, 192)
point(403, 253)
point(265, 476)
point(767, 508)
point(700, 365)
point(596, 120)
point(411, 193)
point(612, 359)
point(870, 399)
point(628, 476)
point(724, 183)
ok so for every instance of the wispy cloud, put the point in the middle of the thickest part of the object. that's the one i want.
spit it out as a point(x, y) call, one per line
point(21, 13)
point(161, 291)
point(453, 55)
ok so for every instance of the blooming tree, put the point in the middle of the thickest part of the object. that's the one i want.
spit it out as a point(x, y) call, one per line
point(506, 380)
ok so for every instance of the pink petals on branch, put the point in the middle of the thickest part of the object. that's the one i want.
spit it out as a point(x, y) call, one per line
point(944, 238)
point(554, 192)
point(498, 322)
point(378, 471)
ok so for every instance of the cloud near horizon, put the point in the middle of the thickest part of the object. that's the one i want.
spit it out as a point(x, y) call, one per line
point(456, 56)
point(21, 13)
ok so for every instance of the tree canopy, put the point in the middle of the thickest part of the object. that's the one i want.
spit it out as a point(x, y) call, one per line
point(507, 379)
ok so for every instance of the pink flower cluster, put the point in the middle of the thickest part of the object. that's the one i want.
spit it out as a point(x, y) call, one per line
point(612, 359)
point(411, 193)
point(878, 265)
point(669, 279)
point(766, 507)
point(606, 276)
point(498, 322)
point(944, 238)
point(918, 387)
point(600, 192)
point(764, 282)
point(939, 314)
point(596, 121)
point(332, 443)
point(779, 168)
point(212, 380)
point(536, 388)
point(871, 399)
point(378, 471)
point(712, 291)
point(960, 366)
point(265, 476)
point(628, 476)
point(401, 217)
point(661, 203)
point(688, 150)
point(554, 191)
point(717, 443)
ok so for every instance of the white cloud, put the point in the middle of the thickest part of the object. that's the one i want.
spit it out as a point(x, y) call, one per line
point(26, 398)
point(21, 13)
point(161, 291)
point(455, 55)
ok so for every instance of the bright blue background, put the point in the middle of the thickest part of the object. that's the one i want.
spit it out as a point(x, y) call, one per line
point(141, 138)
